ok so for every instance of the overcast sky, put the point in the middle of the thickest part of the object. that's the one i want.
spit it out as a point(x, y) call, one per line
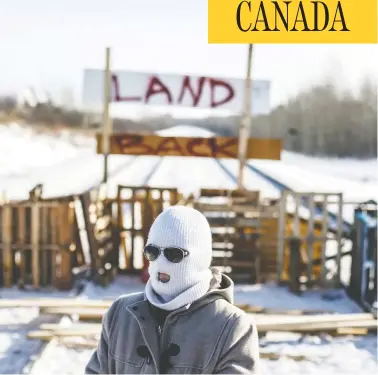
point(48, 43)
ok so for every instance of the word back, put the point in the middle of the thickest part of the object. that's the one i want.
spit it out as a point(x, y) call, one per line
point(214, 147)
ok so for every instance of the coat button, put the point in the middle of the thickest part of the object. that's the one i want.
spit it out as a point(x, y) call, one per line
point(142, 351)
point(174, 350)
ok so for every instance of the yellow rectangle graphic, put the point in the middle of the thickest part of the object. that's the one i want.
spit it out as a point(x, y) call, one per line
point(297, 21)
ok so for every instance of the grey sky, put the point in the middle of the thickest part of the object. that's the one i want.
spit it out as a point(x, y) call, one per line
point(48, 43)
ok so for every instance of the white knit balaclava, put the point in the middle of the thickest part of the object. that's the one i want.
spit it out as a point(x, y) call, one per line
point(188, 229)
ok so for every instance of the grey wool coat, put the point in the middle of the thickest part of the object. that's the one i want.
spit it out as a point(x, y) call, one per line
point(210, 336)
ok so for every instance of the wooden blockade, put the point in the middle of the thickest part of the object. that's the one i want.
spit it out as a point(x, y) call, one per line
point(244, 232)
point(36, 241)
point(47, 242)
point(53, 242)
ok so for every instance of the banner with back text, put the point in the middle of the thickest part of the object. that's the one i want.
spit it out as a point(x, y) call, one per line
point(212, 147)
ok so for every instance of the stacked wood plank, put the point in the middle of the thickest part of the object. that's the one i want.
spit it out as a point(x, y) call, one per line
point(37, 243)
point(50, 242)
point(306, 325)
point(304, 322)
point(305, 218)
point(103, 236)
point(244, 233)
point(87, 316)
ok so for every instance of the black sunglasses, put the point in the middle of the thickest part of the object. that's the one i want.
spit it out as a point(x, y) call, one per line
point(173, 254)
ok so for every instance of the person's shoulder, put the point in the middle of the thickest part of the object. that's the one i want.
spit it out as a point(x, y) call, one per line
point(228, 308)
point(123, 301)
point(229, 311)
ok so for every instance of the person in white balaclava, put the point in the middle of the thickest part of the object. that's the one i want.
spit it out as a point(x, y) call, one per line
point(185, 321)
point(179, 248)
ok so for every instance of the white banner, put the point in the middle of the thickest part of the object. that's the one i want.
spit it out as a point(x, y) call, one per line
point(174, 90)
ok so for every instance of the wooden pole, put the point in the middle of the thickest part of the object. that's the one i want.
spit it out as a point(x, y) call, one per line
point(35, 240)
point(339, 237)
point(7, 246)
point(246, 119)
point(106, 119)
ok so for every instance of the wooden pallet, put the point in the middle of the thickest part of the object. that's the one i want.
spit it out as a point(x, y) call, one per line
point(37, 243)
point(246, 228)
point(135, 209)
point(52, 242)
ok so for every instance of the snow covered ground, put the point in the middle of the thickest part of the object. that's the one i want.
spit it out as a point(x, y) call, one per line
point(326, 354)
point(67, 164)
point(322, 355)
point(16, 350)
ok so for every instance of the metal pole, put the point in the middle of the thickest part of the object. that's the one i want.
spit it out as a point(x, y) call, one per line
point(246, 119)
point(106, 122)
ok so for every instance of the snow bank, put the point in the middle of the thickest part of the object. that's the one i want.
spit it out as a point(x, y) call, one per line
point(23, 149)
point(347, 168)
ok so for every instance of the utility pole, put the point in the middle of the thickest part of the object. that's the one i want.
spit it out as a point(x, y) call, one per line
point(245, 124)
point(106, 121)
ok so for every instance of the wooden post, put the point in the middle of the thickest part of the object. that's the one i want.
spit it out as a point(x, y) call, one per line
point(65, 268)
point(7, 245)
point(106, 122)
point(53, 219)
point(295, 265)
point(339, 237)
point(296, 222)
point(121, 228)
point(310, 237)
point(246, 119)
point(281, 236)
point(44, 233)
point(21, 241)
point(323, 271)
point(35, 241)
